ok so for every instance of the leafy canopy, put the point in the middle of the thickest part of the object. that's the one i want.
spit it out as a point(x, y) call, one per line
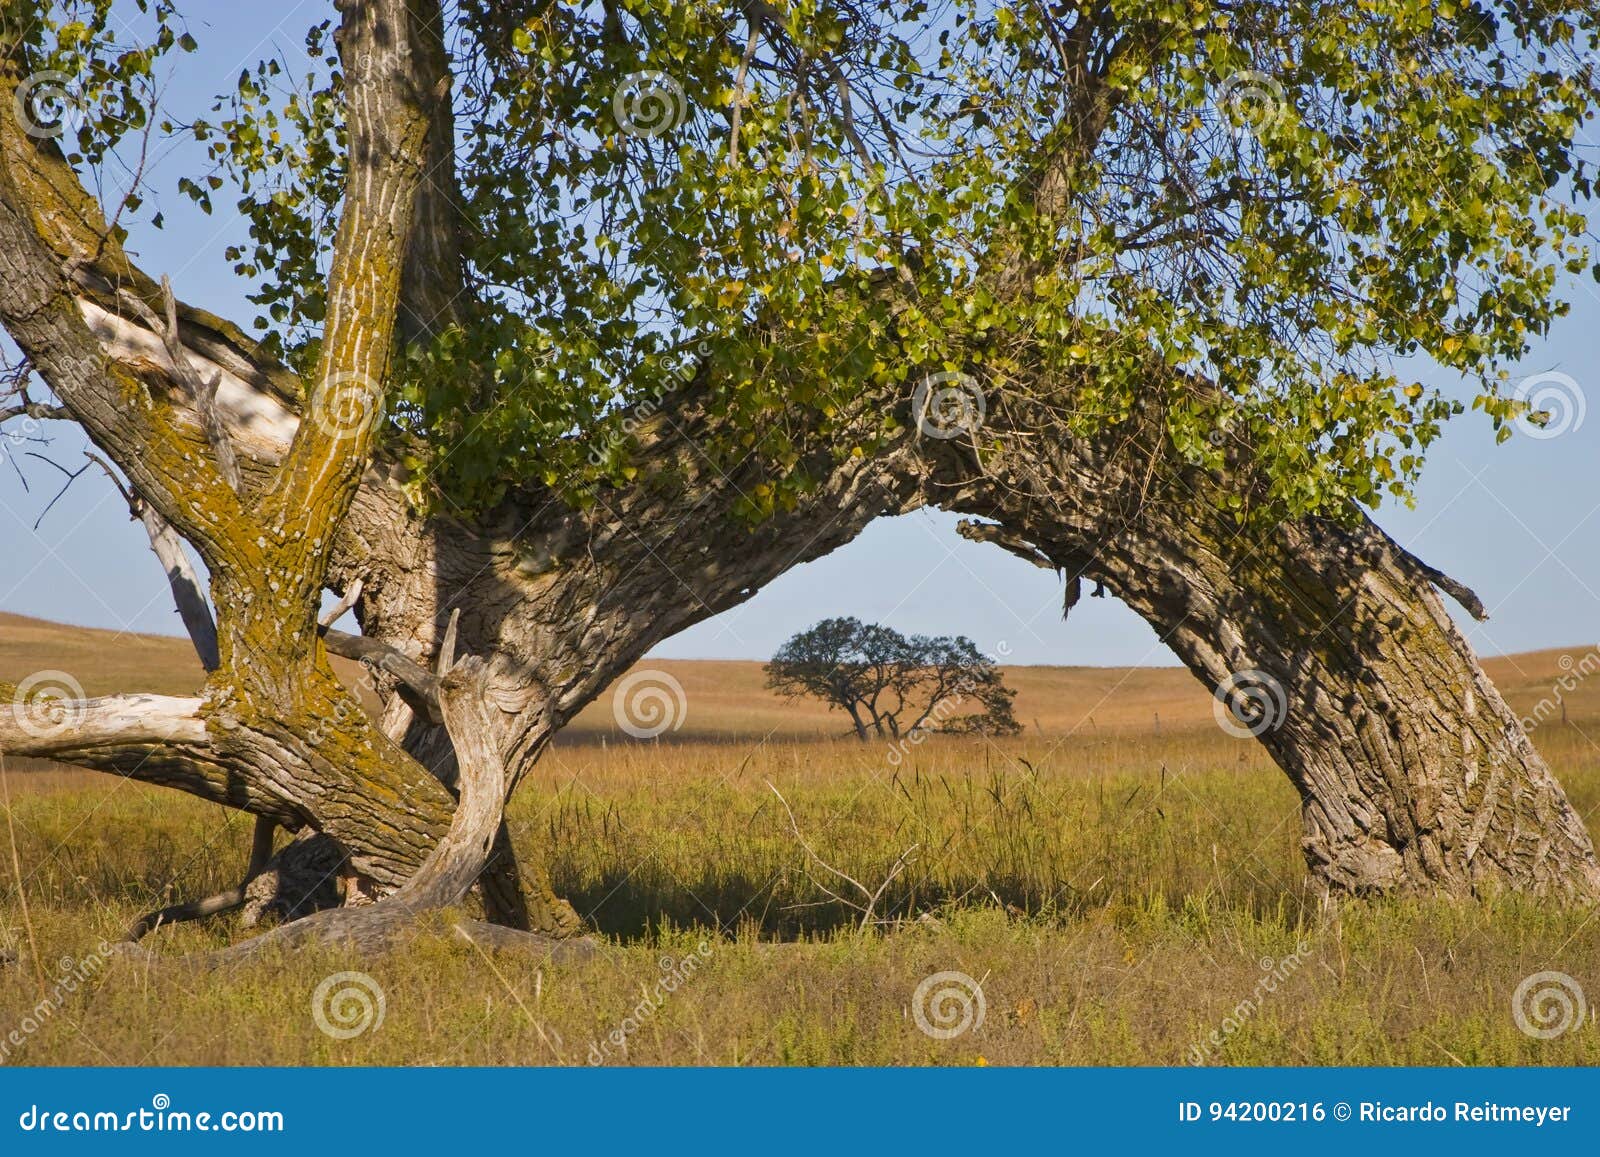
point(1245, 214)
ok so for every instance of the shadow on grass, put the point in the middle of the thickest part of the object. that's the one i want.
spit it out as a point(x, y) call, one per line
point(632, 906)
point(578, 737)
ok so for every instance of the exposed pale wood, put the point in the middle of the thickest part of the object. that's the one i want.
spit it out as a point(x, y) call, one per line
point(259, 422)
point(188, 593)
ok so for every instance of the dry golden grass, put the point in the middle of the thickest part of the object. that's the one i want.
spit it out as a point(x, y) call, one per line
point(1115, 890)
point(729, 699)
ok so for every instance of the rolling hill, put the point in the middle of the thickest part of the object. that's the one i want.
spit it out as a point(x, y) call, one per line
point(727, 699)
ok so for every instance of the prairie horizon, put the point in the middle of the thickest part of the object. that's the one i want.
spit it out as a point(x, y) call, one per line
point(728, 698)
point(1157, 867)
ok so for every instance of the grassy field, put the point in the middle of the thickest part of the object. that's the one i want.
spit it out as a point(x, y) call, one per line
point(1122, 883)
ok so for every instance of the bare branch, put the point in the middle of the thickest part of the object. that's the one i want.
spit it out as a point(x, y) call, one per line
point(447, 648)
point(871, 897)
point(342, 607)
point(417, 685)
point(72, 476)
point(1459, 591)
point(975, 531)
point(38, 410)
point(188, 593)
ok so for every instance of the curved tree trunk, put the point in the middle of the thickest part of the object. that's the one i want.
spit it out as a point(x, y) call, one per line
point(457, 860)
point(1326, 640)
point(1412, 771)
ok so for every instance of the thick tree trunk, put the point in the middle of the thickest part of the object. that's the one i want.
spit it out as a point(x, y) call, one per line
point(1325, 640)
point(1413, 772)
point(457, 860)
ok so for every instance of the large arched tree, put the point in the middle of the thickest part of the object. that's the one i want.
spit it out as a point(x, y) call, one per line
point(587, 321)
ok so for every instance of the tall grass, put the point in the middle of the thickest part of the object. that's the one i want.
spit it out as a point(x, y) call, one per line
point(1116, 898)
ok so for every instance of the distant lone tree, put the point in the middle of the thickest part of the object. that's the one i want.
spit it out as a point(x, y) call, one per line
point(882, 679)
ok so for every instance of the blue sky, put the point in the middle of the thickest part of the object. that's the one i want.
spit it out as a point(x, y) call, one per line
point(1520, 522)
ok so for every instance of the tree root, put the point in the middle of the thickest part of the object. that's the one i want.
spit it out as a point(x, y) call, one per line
point(191, 910)
point(498, 936)
point(260, 855)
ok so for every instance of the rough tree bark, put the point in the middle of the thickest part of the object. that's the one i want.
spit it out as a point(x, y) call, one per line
point(275, 728)
point(1413, 773)
point(1325, 639)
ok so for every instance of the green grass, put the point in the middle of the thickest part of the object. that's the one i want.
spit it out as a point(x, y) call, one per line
point(1114, 881)
point(1113, 912)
